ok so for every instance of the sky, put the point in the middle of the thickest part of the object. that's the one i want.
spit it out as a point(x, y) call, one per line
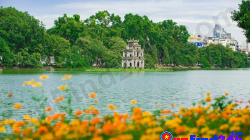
point(197, 15)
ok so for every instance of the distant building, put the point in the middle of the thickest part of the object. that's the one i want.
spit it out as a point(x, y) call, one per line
point(244, 47)
point(220, 32)
point(234, 45)
point(133, 56)
point(217, 30)
point(51, 60)
point(225, 41)
point(195, 39)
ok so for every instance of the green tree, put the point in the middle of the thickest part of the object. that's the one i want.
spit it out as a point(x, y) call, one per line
point(20, 30)
point(242, 17)
point(69, 28)
point(205, 62)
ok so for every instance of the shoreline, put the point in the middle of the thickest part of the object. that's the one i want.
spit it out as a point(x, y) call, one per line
point(162, 68)
point(178, 67)
point(96, 69)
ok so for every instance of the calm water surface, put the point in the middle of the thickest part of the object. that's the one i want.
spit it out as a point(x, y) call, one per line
point(118, 88)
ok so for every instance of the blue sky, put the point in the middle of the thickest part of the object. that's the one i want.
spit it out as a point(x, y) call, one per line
point(190, 13)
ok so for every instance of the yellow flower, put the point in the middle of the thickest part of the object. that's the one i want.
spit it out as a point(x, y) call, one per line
point(211, 132)
point(204, 130)
point(26, 117)
point(2, 129)
point(43, 77)
point(247, 138)
point(208, 99)
point(208, 93)
point(111, 107)
point(226, 93)
point(32, 81)
point(62, 87)
point(224, 127)
point(193, 131)
point(146, 114)
point(18, 106)
point(66, 77)
point(48, 136)
point(200, 122)
point(36, 84)
point(133, 101)
point(97, 138)
point(235, 128)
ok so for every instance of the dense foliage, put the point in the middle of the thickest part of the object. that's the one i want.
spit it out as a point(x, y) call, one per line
point(242, 17)
point(100, 39)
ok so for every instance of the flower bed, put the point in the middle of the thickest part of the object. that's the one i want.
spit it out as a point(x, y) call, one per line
point(219, 118)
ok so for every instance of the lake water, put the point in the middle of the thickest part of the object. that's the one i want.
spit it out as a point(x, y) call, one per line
point(118, 88)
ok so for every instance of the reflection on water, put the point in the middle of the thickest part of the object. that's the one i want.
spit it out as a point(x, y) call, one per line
point(179, 87)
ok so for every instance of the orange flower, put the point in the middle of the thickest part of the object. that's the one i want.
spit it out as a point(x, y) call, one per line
point(95, 100)
point(95, 121)
point(66, 77)
point(200, 122)
point(226, 94)
point(49, 117)
point(78, 113)
point(62, 87)
point(16, 130)
point(48, 109)
point(36, 135)
point(85, 124)
point(42, 130)
point(92, 128)
point(180, 129)
point(26, 132)
point(56, 116)
point(241, 101)
point(92, 95)
point(137, 110)
point(211, 116)
point(43, 77)
point(111, 107)
point(188, 113)
point(248, 101)
point(108, 128)
point(208, 93)
point(165, 111)
point(36, 84)
point(18, 106)
point(10, 94)
point(59, 99)
point(133, 101)
point(199, 111)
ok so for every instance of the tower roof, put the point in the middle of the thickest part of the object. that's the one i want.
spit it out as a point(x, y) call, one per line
point(133, 40)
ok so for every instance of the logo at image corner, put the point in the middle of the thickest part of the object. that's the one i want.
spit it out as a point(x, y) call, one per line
point(166, 136)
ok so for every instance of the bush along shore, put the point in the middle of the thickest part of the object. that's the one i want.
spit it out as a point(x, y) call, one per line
point(205, 119)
